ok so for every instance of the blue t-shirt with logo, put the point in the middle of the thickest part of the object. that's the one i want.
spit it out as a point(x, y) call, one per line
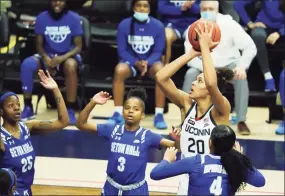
point(58, 34)
point(147, 42)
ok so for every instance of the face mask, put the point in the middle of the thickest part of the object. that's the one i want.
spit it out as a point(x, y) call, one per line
point(141, 16)
point(209, 15)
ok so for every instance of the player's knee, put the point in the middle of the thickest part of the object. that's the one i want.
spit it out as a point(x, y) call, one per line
point(170, 35)
point(29, 64)
point(121, 70)
point(258, 33)
point(70, 67)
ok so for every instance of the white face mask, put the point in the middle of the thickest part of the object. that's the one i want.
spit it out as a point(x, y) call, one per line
point(209, 15)
point(141, 16)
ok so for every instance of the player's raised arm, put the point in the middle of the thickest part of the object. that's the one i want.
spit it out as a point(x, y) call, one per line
point(168, 167)
point(163, 78)
point(221, 104)
point(62, 119)
point(82, 123)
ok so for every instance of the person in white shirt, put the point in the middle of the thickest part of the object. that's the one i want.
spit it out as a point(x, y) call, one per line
point(236, 51)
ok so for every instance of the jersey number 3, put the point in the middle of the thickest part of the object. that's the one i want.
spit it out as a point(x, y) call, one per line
point(196, 146)
point(216, 187)
point(122, 162)
point(27, 163)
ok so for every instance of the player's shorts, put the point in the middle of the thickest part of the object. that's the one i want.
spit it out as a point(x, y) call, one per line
point(180, 32)
point(59, 68)
point(134, 70)
point(112, 188)
point(23, 192)
point(183, 185)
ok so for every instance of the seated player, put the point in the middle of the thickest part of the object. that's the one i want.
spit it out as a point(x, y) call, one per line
point(222, 172)
point(141, 41)
point(58, 43)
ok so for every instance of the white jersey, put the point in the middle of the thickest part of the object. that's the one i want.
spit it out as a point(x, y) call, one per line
point(195, 133)
point(194, 139)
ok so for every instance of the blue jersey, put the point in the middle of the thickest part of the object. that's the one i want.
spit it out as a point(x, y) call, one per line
point(147, 42)
point(128, 152)
point(206, 173)
point(58, 34)
point(19, 156)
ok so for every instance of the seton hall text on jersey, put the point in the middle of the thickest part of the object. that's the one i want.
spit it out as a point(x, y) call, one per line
point(125, 149)
point(21, 150)
point(195, 131)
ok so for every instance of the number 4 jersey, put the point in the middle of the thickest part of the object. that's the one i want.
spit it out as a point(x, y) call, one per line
point(196, 132)
point(19, 156)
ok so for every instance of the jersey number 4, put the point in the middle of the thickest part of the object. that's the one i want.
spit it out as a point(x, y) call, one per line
point(196, 146)
point(216, 187)
point(27, 163)
point(122, 162)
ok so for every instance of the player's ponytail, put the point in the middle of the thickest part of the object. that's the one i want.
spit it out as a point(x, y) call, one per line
point(236, 164)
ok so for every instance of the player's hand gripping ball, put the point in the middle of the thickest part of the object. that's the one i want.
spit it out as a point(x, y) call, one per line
point(193, 36)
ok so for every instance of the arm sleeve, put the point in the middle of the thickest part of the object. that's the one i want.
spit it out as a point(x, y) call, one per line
point(77, 27)
point(166, 170)
point(245, 44)
point(165, 7)
point(255, 178)
point(105, 130)
point(39, 26)
point(240, 9)
point(153, 139)
point(159, 44)
point(122, 42)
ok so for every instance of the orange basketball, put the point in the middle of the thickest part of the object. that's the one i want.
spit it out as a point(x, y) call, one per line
point(193, 36)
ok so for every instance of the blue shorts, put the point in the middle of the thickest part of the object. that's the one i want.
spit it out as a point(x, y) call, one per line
point(59, 67)
point(23, 192)
point(134, 70)
point(180, 32)
point(109, 190)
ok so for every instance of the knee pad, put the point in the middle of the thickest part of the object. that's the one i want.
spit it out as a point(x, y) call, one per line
point(28, 68)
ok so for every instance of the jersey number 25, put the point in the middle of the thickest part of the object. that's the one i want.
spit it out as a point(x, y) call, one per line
point(27, 163)
point(196, 146)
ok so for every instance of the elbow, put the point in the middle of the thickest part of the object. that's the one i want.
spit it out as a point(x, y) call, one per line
point(154, 175)
point(78, 125)
point(65, 122)
point(159, 77)
point(262, 182)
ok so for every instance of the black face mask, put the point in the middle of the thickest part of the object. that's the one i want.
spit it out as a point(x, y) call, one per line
point(55, 15)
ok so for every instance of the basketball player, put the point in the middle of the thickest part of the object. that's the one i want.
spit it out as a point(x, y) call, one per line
point(222, 172)
point(129, 144)
point(17, 152)
point(8, 181)
point(204, 106)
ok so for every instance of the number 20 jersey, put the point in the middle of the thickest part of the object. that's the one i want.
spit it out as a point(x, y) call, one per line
point(19, 156)
point(195, 133)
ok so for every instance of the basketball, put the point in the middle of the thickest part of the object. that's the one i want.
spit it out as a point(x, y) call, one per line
point(193, 36)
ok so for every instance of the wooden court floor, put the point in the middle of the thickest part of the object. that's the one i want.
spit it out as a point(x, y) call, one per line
point(61, 190)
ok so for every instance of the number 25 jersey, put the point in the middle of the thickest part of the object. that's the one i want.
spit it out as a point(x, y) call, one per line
point(19, 156)
point(195, 133)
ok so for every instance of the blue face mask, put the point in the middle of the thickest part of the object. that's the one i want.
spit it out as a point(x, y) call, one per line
point(141, 16)
point(209, 15)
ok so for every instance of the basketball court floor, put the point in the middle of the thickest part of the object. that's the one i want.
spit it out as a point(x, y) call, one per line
point(71, 162)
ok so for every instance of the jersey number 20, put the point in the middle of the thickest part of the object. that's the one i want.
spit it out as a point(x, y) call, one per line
point(196, 146)
point(27, 163)
point(122, 162)
point(216, 187)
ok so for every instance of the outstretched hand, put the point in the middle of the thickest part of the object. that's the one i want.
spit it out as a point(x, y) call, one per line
point(46, 80)
point(170, 154)
point(205, 35)
point(101, 98)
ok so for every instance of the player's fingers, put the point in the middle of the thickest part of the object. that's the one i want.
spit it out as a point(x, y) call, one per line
point(206, 27)
point(197, 31)
point(211, 29)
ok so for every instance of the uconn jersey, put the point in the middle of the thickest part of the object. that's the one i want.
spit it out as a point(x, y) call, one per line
point(128, 152)
point(19, 156)
point(196, 133)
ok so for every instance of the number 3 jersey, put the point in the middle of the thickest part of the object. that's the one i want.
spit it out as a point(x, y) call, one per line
point(129, 152)
point(196, 132)
point(19, 156)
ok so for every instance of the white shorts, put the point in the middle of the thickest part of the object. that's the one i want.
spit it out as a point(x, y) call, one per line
point(183, 185)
